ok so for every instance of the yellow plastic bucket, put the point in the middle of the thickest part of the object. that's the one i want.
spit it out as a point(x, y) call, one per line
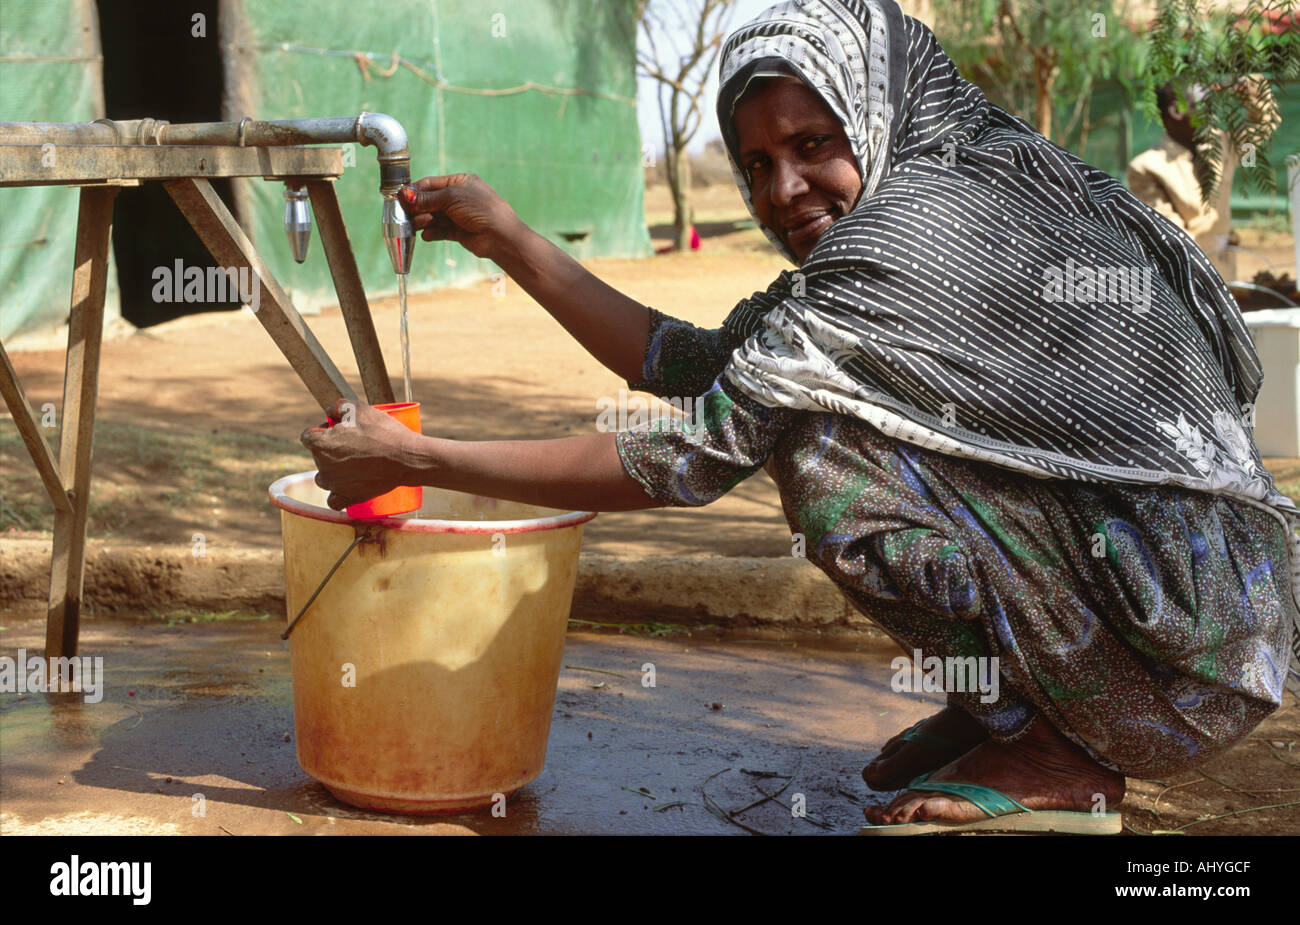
point(424, 673)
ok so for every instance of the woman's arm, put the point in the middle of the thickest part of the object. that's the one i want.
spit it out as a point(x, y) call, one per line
point(582, 473)
point(373, 453)
point(652, 352)
point(612, 327)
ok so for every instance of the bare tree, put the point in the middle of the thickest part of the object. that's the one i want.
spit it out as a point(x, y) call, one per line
point(682, 39)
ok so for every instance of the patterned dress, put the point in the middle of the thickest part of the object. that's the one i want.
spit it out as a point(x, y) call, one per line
point(1149, 625)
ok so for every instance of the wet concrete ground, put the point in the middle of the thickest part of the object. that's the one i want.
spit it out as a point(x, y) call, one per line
point(212, 714)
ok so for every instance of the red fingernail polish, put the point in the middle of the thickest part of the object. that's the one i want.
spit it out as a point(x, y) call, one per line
point(408, 194)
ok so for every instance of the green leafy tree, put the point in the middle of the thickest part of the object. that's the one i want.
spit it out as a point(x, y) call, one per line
point(1033, 56)
point(1240, 57)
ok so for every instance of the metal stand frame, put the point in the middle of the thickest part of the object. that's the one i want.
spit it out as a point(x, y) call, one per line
point(100, 170)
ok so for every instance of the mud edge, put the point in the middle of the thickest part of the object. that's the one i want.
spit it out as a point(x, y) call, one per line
point(137, 579)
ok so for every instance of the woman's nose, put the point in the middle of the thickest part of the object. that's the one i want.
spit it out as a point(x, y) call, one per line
point(788, 182)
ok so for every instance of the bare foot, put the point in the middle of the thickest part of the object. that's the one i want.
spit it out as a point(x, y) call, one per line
point(900, 762)
point(1041, 770)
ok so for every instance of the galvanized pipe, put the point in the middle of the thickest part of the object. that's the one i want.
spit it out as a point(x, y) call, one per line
point(99, 132)
point(382, 132)
point(377, 130)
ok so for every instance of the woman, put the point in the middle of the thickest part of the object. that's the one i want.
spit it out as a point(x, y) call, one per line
point(994, 448)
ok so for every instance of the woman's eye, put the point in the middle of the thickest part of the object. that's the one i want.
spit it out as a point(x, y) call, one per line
point(815, 142)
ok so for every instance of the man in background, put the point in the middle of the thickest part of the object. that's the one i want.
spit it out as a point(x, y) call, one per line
point(1164, 176)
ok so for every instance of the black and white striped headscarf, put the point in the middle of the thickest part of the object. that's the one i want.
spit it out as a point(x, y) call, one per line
point(991, 296)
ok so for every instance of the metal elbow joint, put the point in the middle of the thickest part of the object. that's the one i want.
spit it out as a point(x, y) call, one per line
point(386, 135)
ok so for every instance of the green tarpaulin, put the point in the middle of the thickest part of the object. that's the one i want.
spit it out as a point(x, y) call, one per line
point(49, 72)
point(535, 96)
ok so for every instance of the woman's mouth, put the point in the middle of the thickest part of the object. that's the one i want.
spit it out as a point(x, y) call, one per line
point(803, 230)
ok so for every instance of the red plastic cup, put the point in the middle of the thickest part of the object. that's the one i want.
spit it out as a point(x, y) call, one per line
point(404, 498)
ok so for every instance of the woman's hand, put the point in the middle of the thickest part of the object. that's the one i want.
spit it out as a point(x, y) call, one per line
point(365, 453)
point(361, 454)
point(464, 209)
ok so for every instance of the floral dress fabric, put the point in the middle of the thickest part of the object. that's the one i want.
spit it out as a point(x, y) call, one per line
point(1149, 625)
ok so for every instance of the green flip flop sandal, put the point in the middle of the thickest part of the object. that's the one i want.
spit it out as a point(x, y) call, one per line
point(1005, 815)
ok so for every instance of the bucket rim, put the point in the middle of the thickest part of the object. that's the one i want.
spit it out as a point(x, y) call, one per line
point(280, 499)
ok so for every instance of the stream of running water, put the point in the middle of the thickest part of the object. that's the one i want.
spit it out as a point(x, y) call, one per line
point(406, 338)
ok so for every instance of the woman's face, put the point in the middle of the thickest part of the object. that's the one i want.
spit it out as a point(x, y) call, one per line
point(802, 172)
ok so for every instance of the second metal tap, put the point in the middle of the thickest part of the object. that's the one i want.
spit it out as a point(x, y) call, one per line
point(399, 236)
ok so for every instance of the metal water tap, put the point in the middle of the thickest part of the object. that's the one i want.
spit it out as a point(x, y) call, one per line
point(399, 236)
point(297, 220)
point(388, 136)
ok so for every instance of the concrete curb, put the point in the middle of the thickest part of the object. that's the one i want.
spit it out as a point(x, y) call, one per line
point(724, 591)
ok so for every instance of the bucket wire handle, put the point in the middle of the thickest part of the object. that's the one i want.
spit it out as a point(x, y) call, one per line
point(362, 536)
